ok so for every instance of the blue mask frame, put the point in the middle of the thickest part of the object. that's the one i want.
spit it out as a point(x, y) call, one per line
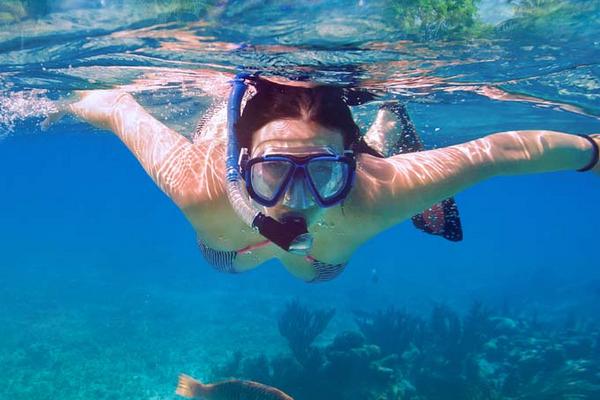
point(299, 164)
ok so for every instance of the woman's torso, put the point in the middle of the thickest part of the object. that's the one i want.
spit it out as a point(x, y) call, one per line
point(219, 228)
point(336, 233)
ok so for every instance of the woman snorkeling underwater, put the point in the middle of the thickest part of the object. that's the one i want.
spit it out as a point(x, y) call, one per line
point(291, 177)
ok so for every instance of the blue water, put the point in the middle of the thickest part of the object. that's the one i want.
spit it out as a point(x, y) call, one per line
point(103, 292)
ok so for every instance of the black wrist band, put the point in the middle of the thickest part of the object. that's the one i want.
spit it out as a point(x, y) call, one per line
point(595, 157)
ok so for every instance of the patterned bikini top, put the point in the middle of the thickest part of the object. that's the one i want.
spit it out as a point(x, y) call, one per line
point(223, 261)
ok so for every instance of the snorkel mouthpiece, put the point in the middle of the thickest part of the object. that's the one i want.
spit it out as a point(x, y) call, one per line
point(291, 234)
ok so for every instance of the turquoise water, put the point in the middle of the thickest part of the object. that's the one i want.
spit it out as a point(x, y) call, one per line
point(104, 295)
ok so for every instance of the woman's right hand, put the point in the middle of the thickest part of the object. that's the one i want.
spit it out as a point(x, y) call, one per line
point(93, 106)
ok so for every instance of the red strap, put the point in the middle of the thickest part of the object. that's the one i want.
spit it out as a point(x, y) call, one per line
point(251, 247)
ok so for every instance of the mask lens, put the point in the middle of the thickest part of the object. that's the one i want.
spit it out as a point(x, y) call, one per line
point(329, 177)
point(267, 177)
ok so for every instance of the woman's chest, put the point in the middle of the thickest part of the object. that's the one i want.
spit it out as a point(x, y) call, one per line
point(224, 239)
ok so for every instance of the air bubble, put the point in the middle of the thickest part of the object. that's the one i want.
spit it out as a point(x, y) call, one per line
point(19, 106)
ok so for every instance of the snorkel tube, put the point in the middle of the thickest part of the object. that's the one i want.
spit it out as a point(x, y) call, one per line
point(291, 234)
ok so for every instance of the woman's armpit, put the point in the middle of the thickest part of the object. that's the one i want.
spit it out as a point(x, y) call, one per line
point(203, 181)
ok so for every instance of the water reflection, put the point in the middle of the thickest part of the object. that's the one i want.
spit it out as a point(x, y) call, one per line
point(188, 48)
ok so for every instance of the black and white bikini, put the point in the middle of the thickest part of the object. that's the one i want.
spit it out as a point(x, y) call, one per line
point(223, 261)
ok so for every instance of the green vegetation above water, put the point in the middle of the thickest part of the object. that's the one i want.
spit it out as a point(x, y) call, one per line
point(16, 10)
point(460, 19)
point(553, 19)
point(419, 19)
point(435, 18)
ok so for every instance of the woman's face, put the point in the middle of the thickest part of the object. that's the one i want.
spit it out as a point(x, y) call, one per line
point(298, 137)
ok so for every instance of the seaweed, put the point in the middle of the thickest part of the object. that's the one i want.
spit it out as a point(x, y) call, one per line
point(392, 330)
point(300, 326)
point(231, 367)
point(258, 367)
point(478, 327)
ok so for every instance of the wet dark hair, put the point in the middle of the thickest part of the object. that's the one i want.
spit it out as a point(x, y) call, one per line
point(325, 105)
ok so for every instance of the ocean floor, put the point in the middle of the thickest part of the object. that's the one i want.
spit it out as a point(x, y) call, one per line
point(99, 338)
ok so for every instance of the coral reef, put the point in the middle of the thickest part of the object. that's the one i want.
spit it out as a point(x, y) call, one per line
point(347, 368)
point(396, 355)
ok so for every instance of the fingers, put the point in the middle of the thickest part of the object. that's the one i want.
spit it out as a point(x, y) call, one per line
point(63, 107)
point(185, 386)
point(50, 119)
point(596, 168)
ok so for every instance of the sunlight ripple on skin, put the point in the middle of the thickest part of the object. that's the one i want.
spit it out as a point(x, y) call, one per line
point(420, 169)
point(172, 161)
point(420, 179)
point(191, 176)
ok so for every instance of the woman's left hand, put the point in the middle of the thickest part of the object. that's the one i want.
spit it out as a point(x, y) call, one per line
point(596, 168)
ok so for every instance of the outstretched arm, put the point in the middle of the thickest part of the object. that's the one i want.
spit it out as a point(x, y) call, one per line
point(395, 188)
point(183, 170)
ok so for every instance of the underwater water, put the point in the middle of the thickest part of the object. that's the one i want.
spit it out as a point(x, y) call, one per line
point(104, 294)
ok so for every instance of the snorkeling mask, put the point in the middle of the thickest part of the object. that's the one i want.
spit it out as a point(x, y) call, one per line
point(302, 176)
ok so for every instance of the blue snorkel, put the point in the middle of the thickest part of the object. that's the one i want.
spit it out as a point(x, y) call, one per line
point(291, 234)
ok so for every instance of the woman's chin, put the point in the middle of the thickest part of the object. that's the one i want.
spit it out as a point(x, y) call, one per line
point(310, 215)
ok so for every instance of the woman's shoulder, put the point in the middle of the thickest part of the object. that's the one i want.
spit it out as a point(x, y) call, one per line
point(375, 183)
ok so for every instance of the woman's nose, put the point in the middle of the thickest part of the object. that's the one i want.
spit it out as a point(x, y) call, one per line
point(298, 194)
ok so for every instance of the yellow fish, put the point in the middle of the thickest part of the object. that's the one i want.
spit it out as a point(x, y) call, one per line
point(233, 389)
